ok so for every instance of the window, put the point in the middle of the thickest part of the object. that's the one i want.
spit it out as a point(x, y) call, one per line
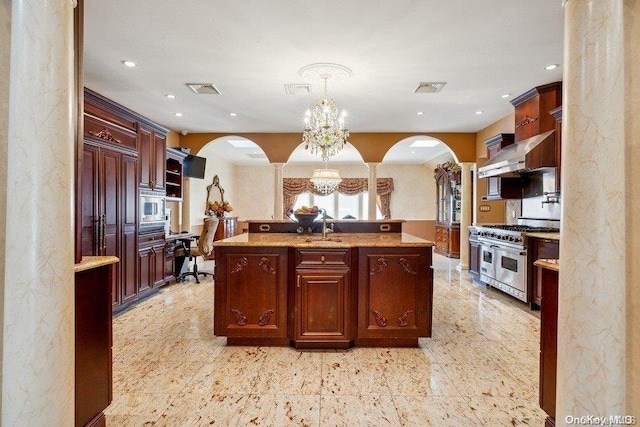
point(339, 205)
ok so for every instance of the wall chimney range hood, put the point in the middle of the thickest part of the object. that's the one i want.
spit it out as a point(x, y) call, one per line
point(528, 155)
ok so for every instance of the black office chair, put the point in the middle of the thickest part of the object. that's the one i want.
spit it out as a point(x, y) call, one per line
point(203, 248)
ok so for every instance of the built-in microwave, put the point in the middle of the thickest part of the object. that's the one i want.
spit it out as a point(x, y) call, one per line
point(152, 211)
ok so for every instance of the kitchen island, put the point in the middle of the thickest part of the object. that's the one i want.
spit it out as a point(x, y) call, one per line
point(365, 289)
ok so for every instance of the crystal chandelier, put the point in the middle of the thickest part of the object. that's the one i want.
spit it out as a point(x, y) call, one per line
point(326, 180)
point(324, 133)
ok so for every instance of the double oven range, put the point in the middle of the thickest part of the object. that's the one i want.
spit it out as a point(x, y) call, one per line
point(503, 254)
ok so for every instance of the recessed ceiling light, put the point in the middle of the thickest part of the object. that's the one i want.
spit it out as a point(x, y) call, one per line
point(178, 114)
point(506, 95)
point(232, 114)
point(479, 112)
point(420, 113)
point(551, 67)
point(170, 96)
point(413, 151)
point(421, 143)
point(129, 63)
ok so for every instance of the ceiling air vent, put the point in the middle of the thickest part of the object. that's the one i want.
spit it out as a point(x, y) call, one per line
point(203, 88)
point(297, 88)
point(429, 87)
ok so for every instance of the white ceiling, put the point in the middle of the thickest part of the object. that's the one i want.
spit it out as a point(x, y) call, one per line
point(250, 49)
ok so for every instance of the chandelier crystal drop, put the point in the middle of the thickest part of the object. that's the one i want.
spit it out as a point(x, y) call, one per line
point(326, 180)
point(324, 132)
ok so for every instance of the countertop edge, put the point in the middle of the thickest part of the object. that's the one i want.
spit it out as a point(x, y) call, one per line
point(549, 264)
point(550, 236)
point(91, 262)
point(337, 240)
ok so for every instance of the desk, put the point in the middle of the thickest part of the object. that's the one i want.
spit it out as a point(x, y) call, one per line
point(174, 262)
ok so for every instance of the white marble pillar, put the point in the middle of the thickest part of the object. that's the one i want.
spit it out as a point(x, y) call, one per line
point(591, 314)
point(632, 236)
point(465, 219)
point(373, 191)
point(38, 323)
point(278, 200)
point(185, 216)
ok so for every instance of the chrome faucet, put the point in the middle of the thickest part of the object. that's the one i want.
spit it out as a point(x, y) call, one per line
point(325, 229)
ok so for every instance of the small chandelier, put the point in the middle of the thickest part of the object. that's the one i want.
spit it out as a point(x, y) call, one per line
point(324, 133)
point(326, 180)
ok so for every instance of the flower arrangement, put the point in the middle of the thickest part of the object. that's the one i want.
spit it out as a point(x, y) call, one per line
point(219, 208)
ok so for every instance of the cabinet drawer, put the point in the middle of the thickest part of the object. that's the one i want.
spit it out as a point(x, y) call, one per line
point(322, 257)
point(151, 239)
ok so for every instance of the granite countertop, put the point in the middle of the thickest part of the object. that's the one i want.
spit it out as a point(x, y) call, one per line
point(89, 262)
point(552, 236)
point(334, 240)
point(549, 264)
point(319, 220)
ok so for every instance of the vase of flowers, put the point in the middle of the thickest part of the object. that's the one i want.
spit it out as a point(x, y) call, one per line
point(218, 209)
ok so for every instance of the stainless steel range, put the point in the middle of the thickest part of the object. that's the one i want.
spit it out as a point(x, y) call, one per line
point(503, 259)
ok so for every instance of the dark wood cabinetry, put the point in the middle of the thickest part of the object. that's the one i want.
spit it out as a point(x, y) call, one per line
point(323, 311)
point(532, 110)
point(151, 261)
point(548, 341)
point(152, 146)
point(448, 210)
point(173, 173)
point(93, 356)
point(538, 249)
point(251, 295)
point(109, 212)
point(394, 302)
point(474, 258)
point(499, 188)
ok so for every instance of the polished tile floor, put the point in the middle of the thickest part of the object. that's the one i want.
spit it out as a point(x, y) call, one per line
point(479, 368)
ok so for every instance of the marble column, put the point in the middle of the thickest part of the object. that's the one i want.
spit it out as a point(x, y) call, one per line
point(185, 217)
point(465, 219)
point(278, 208)
point(591, 315)
point(38, 323)
point(373, 191)
point(631, 18)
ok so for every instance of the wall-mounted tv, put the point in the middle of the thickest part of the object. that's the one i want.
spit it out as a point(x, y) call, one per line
point(193, 166)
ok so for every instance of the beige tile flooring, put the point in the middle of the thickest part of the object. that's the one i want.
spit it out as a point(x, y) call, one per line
point(479, 368)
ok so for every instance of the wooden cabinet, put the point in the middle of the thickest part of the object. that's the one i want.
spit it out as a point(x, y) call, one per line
point(93, 355)
point(448, 240)
point(151, 261)
point(538, 249)
point(548, 342)
point(557, 115)
point(448, 210)
point(173, 173)
point(395, 296)
point(499, 188)
point(109, 212)
point(532, 110)
point(227, 227)
point(152, 146)
point(323, 311)
point(169, 261)
point(250, 302)
point(474, 258)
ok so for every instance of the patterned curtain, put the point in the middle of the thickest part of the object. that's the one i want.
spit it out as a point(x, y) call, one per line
point(349, 186)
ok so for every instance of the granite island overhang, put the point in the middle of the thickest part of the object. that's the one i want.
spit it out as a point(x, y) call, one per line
point(364, 289)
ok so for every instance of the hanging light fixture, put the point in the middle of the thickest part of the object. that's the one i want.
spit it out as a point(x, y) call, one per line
point(325, 133)
point(326, 180)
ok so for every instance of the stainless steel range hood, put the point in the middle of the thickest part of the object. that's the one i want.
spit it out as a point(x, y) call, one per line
point(521, 157)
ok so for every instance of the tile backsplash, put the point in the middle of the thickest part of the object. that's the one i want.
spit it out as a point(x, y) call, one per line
point(513, 209)
point(532, 207)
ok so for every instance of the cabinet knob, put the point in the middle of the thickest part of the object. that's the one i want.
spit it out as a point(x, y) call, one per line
point(322, 258)
point(298, 280)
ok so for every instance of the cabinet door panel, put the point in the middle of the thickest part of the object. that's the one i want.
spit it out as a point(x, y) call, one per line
point(145, 269)
point(158, 252)
point(159, 161)
point(144, 157)
point(90, 199)
point(252, 293)
point(395, 295)
point(321, 304)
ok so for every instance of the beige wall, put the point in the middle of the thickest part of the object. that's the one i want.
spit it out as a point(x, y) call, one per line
point(173, 139)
